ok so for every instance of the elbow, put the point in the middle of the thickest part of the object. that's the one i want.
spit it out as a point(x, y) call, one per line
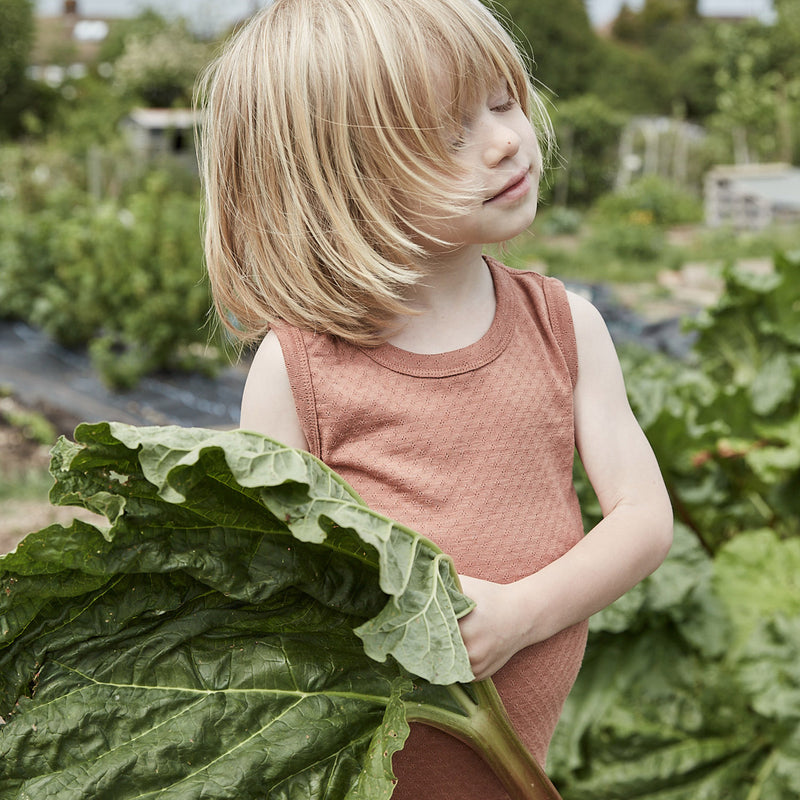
point(661, 532)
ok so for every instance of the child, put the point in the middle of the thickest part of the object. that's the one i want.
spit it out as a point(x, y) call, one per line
point(357, 155)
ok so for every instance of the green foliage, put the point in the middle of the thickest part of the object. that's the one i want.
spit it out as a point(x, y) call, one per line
point(33, 426)
point(690, 688)
point(749, 346)
point(90, 119)
point(274, 642)
point(693, 73)
point(159, 66)
point(727, 431)
point(757, 97)
point(622, 238)
point(655, 20)
point(145, 25)
point(559, 220)
point(725, 245)
point(123, 276)
point(676, 62)
point(154, 59)
point(665, 708)
point(635, 239)
point(651, 93)
point(726, 427)
point(588, 131)
point(16, 39)
point(650, 198)
point(558, 39)
point(19, 97)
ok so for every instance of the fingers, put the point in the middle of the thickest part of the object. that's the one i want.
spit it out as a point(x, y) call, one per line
point(488, 630)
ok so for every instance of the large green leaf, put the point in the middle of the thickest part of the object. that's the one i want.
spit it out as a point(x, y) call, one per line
point(661, 713)
point(249, 517)
point(244, 627)
point(757, 575)
point(206, 644)
point(198, 696)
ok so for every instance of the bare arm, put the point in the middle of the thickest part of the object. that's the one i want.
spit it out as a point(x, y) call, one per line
point(267, 402)
point(627, 545)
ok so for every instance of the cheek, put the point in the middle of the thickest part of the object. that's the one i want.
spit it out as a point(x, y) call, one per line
point(537, 160)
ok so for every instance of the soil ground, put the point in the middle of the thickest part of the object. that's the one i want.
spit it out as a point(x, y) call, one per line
point(37, 375)
point(24, 468)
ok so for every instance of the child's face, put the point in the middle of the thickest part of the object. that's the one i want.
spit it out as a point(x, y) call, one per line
point(499, 152)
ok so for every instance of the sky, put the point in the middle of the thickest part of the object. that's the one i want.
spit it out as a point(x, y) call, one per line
point(602, 11)
point(211, 14)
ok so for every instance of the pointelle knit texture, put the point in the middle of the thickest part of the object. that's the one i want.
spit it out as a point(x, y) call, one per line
point(474, 449)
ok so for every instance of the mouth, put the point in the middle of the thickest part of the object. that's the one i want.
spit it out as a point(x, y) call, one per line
point(518, 186)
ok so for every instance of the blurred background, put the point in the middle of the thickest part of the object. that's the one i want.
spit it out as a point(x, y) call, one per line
point(673, 203)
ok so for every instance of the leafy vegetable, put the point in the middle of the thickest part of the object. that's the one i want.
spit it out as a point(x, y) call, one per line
point(725, 425)
point(668, 707)
point(245, 627)
point(690, 687)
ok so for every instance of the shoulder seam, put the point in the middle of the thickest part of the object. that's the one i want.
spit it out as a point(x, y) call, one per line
point(560, 316)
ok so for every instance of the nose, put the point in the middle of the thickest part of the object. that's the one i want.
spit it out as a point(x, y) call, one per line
point(502, 142)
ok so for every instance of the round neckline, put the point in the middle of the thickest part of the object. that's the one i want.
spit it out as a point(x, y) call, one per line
point(465, 359)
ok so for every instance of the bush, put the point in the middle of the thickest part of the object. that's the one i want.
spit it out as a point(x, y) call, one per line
point(124, 277)
point(635, 238)
point(650, 93)
point(689, 684)
point(161, 68)
point(588, 132)
point(659, 201)
point(559, 221)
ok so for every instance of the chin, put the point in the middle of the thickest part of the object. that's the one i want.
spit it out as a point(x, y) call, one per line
point(524, 223)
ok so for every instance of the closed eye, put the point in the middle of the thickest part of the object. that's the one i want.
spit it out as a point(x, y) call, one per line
point(506, 105)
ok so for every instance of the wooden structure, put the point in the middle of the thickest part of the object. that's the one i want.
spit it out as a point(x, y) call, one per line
point(752, 196)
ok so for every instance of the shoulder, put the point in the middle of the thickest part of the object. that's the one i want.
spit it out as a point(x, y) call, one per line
point(268, 404)
point(591, 334)
point(599, 371)
point(586, 319)
point(546, 302)
point(543, 293)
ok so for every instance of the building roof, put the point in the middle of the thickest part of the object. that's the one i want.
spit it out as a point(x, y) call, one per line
point(779, 190)
point(68, 38)
point(779, 184)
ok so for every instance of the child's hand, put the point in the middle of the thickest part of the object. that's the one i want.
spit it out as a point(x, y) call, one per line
point(492, 631)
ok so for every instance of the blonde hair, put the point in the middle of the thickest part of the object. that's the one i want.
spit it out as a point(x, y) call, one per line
point(323, 128)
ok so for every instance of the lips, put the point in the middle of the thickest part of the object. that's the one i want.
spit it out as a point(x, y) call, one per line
point(518, 186)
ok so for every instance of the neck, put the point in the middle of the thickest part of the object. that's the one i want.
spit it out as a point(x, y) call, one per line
point(454, 304)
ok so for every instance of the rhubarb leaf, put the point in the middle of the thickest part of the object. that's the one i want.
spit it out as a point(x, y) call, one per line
point(205, 644)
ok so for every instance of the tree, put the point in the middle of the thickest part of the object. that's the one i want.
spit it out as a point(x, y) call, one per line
point(156, 60)
point(674, 73)
point(16, 40)
point(143, 26)
point(758, 98)
point(664, 16)
point(558, 38)
point(588, 132)
point(632, 80)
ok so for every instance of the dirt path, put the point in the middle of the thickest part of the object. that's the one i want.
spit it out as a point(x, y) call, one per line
point(23, 466)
